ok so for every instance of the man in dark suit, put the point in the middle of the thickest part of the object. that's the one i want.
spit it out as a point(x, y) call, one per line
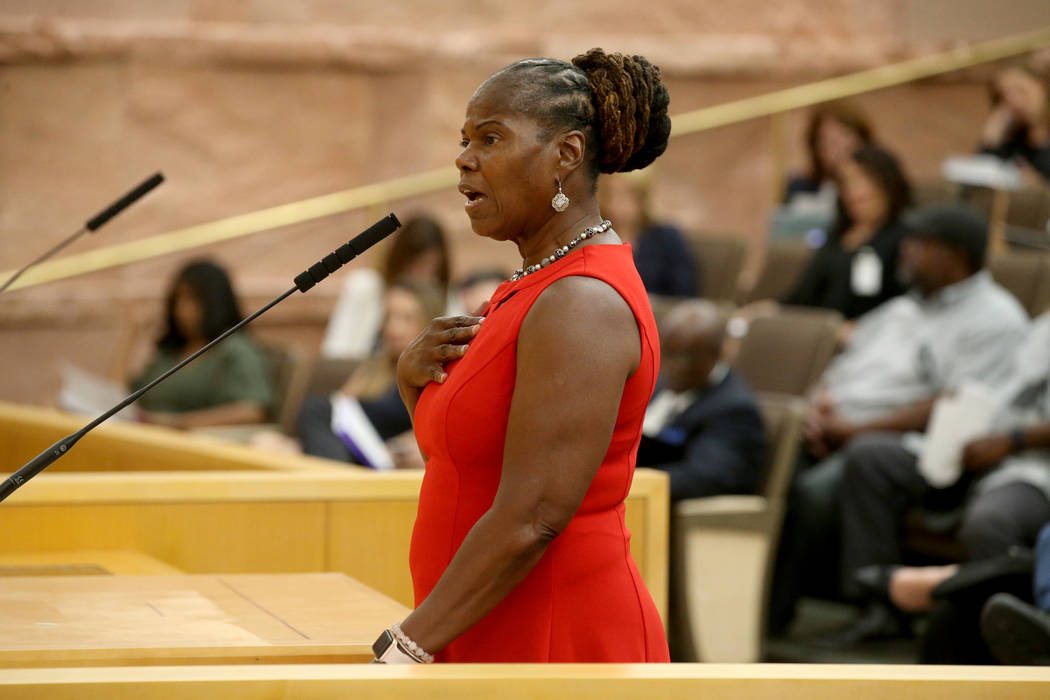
point(703, 426)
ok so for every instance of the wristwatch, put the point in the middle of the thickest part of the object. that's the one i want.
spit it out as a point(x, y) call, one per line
point(1017, 441)
point(387, 651)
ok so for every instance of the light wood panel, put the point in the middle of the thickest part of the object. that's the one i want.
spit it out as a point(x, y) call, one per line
point(531, 682)
point(387, 527)
point(355, 521)
point(136, 620)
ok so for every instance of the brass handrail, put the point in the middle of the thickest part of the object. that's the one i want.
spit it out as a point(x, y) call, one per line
point(769, 104)
point(237, 226)
point(856, 83)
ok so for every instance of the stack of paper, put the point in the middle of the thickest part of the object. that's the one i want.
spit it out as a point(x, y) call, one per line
point(956, 420)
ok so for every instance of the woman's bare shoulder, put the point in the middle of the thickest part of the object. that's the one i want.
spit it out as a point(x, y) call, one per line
point(585, 315)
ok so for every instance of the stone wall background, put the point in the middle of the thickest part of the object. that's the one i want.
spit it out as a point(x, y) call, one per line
point(247, 104)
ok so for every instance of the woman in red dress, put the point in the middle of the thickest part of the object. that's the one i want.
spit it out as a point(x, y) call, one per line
point(530, 414)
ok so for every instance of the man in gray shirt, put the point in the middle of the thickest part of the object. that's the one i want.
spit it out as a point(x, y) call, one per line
point(1006, 488)
point(956, 325)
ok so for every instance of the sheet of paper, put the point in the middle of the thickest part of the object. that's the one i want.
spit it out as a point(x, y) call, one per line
point(352, 426)
point(955, 421)
point(91, 394)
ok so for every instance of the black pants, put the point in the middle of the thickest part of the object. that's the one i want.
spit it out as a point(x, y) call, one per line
point(953, 630)
point(881, 481)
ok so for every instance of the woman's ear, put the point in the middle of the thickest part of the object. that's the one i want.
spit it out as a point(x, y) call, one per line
point(572, 146)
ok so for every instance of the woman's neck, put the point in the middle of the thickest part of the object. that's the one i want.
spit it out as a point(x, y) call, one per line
point(557, 231)
point(192, 345)
point(858, 234)
point(1039, 133)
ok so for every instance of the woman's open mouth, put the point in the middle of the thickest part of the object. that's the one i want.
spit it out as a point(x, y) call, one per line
point(474, 197)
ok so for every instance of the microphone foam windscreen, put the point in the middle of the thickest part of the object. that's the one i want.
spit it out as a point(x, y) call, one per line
point(374, 233)
point(347, 252)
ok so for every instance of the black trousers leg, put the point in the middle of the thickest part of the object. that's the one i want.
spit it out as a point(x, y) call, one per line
point(995, 520)
point(1009, 515)
point(953, 634)
point(315, 430)
point(880, 481)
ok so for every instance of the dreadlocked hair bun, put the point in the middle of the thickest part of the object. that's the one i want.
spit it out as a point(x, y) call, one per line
point(630, 109)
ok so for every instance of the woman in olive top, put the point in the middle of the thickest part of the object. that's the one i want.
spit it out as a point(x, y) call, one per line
point(229, 384)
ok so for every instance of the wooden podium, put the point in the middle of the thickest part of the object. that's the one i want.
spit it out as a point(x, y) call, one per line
point(62, 621)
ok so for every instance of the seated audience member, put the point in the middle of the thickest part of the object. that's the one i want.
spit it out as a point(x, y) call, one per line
point(977, 612)
point(1017, 632)
point(835, 130)
point(477, 288)
point(1006, 489)
point(230, 384)
point(363, 421)
point(1019, 123)
point(955, 326)
point(661, 254)
point(418, 252)
point(855, 269)
point(703, 426)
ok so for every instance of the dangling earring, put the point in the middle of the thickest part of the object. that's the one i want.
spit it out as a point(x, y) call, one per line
point(559, 202)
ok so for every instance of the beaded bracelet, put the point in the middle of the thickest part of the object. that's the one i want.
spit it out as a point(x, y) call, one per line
point(410, 646)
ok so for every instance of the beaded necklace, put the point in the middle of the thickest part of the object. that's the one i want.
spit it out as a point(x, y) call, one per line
point(561, 252)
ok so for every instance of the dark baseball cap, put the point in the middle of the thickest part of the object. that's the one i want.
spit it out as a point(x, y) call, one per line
point(955, 224)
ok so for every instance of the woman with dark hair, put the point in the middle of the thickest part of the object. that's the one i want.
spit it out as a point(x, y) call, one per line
point(834, 131)
point(530, 420)
point(855, 269)
point(228, 385)
point(1019, 123)
point(417, 252)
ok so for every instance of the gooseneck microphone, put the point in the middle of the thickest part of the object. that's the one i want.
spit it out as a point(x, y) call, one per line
point(95, 223)
point(303, 282)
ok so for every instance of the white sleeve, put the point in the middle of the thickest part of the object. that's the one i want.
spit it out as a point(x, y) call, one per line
point(867, 330)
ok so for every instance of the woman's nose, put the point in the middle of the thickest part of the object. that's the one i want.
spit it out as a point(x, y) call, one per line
point(465, 160)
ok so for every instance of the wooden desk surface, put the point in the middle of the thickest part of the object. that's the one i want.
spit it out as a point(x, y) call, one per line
point(203, 619)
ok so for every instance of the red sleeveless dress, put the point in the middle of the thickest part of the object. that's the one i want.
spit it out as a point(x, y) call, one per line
point(585, 600)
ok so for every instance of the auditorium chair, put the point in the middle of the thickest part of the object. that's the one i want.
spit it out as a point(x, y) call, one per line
point(719, 258)
point(1028, 207)
point(287, 365)
point(723, 549)
point(787, 352)
point(934, 191)
point(1026, 274)
point(783, 264)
